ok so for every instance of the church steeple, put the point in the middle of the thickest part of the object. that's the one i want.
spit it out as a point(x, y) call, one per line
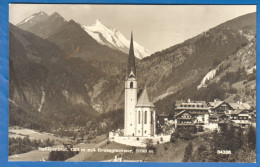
point(131, 59)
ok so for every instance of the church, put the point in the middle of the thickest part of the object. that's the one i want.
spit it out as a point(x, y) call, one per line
point(140, 113)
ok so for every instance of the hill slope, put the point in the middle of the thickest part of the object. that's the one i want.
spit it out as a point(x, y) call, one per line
point(181, 66)
point(46, 89)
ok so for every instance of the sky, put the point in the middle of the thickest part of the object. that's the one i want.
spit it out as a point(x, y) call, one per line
point(156, 27)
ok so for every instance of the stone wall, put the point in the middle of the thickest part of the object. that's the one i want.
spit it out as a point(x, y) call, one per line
point(138, 141)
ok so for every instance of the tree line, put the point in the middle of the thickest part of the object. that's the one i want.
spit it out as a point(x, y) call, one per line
point(231, 144)
point(20, 145)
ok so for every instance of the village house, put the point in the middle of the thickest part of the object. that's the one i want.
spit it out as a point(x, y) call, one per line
point(240, 117)
point(219, 107)
point(164, 119)
point(197, 115)
point(222, 107)
point(252, 117)
point(165, 123)
point(213, 122)
point(192, 115)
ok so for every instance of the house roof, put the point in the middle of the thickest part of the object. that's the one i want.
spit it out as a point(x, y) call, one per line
point(241, 106)
point(212, 104)
point(163, 115)
point(215, 103)
point(190, 112)
point(218, 103)
point(232, 105)
point(236, 106)
point(237, 111)
point(180, 113)
point(143, 100)
point(194, 105)
point(246, 106)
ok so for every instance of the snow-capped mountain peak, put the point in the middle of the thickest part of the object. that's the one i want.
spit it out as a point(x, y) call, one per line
point(34, 18)
point(97, 23)
point(114, 39)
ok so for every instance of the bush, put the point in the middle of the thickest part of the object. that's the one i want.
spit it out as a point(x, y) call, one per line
point(61, 155)
point(175, 135)
point(201, 154)
point(188, 153)
point(186, 136)
point(165, 147)
point(200, 129)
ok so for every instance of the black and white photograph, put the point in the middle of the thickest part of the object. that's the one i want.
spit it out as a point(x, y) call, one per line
point(132, 83)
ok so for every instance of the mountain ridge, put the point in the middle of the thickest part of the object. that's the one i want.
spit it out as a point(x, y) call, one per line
point(76, 42)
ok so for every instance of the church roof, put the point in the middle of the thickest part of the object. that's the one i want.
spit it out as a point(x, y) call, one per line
point(131, 59)
point(143, 100)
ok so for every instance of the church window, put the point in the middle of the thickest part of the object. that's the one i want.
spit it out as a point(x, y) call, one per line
point(145, 117)
point(131, 84)
point(139, 117)
point(151, 117)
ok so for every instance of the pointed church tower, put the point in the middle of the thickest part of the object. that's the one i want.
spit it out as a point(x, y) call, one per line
point(130, 93)
point(131, 59)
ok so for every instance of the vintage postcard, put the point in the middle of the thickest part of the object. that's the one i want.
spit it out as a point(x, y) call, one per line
point(132, 83)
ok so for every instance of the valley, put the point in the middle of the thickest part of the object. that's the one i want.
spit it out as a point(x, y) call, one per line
point(67, 85)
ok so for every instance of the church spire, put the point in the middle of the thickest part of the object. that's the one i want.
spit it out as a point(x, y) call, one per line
point(131, 59)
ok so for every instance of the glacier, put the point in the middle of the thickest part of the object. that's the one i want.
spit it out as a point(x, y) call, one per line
point(114, 39)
